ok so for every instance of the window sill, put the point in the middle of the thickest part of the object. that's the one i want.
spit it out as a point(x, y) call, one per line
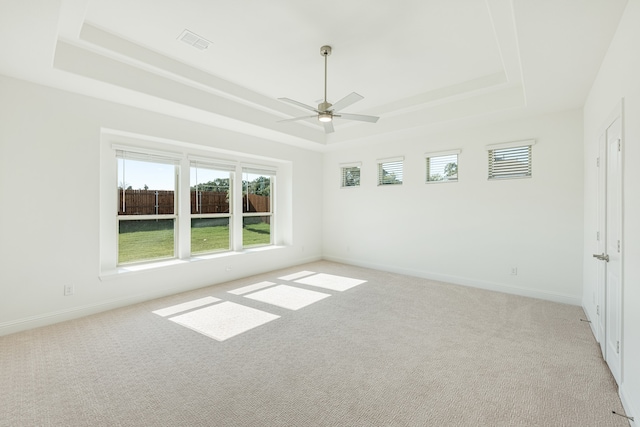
point(140, 268)
point(444, 181)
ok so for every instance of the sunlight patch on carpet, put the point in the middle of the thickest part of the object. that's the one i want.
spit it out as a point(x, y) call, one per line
point(250, 288)
point(224, 320)
point(178, 308)
point(297, 275)
point(329, 281)
point(288, 297)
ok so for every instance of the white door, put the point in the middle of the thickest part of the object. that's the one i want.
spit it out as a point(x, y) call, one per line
point(613, 247)
point(610, 247)
point(601, 266)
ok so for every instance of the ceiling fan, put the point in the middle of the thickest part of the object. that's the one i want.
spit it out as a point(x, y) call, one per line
point(326, 111)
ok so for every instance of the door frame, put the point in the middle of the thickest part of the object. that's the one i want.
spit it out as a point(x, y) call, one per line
point(605, 304)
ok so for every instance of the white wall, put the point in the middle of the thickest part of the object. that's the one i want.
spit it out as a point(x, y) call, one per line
point(619, 77)
point(470, 232)
point(50, 156)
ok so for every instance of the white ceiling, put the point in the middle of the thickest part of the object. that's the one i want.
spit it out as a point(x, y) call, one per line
point(419, 64)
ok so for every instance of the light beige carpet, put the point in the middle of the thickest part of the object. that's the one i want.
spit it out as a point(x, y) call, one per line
point(391, 351)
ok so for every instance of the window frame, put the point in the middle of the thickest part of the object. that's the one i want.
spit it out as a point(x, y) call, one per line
point(111, 140)
point(343, 174)
point(440, 154)
point(510, 149)
point(262, 171)
point(149, 156)
point(218, 166)
point(381, 169)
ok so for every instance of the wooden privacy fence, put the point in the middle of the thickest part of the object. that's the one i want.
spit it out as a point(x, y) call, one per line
point(256, 203)
point(209, 202)
point(145, 202)
point(160, 202)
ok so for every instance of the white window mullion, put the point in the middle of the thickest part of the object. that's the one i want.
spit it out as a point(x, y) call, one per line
point(183, 208)
point(236, 235)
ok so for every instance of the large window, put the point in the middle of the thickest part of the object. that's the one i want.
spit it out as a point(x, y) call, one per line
point(442, 166)
point(257, 213)
point(510, 160)
point(166, 206)
point(211, 187)
point(390, 171)
point(147, 210)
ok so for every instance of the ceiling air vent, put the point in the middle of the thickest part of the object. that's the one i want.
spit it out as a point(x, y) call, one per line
point(194, 40)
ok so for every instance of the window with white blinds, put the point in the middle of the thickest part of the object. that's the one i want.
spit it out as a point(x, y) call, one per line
point(508, 161)
point(442, 167)
point(350, 175)
point(390, 171)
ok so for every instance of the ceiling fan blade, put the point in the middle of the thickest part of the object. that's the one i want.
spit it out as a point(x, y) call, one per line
point(359, 117)
point(328, 127)
point(352, 98)
point(297, 118)
point(299, 104)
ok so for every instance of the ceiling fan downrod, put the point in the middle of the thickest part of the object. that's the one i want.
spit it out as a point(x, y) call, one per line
point(325, 51)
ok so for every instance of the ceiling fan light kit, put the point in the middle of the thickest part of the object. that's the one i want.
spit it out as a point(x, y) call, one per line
point(326, 111)
point(325, 117)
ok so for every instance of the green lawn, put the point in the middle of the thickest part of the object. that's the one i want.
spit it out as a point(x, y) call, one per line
point(154, 244)
point(209, 239)
point(145, 245)
point(256, 234)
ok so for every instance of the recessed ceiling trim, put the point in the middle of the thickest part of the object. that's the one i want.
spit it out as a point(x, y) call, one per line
point(175, 96)
point(139, 56)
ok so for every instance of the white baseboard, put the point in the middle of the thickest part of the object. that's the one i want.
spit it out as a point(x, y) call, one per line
point(58, 316)
point(53, 317)
point(592, 325)
point(629, 409)
point(465, 281)
point(50, 318)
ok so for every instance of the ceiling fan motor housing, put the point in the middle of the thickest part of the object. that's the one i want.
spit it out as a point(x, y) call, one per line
point(324, 106)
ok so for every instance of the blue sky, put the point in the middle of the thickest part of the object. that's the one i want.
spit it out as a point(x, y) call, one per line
point(158, 176)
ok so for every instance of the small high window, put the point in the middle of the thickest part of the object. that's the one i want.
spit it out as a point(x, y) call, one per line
point(350, 175)
point(442, 166)
point(390, 171)
point(510, 160)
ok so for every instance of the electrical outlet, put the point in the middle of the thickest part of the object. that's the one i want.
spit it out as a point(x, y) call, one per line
point(68, 290)
point(514, 271)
